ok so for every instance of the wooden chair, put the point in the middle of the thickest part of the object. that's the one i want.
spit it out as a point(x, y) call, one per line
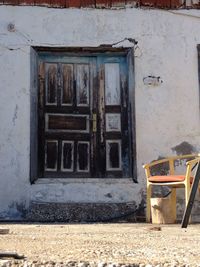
point(172, 180)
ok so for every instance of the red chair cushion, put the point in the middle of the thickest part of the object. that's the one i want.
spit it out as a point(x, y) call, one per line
point(168, 179)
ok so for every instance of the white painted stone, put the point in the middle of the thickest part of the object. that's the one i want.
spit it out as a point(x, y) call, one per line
point(165, 116)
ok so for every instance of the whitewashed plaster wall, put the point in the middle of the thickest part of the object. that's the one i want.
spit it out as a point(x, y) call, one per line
point(166, 115)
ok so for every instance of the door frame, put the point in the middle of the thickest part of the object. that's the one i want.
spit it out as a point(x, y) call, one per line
point(36, 51)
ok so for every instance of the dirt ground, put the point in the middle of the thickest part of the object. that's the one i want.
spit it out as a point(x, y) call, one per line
point(103, 244)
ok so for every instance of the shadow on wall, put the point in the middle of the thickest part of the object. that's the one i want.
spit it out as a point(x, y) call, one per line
point(16, 211)
point(184, 148)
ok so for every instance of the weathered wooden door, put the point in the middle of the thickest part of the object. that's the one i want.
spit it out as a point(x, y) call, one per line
point(84, 128)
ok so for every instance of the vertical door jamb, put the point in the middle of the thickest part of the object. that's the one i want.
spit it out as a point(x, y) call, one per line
point(131, 113)
point(93, 111)
point(41, 124)
point(34, 117)
point(101, 119)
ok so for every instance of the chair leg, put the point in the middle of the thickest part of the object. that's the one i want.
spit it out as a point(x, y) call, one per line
point(187, 195)
point(148, 203)
point(173, 201)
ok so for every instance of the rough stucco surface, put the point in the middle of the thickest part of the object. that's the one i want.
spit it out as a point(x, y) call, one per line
point(167, 114)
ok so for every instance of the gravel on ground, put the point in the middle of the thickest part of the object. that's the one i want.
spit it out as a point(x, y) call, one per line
point(101, 245)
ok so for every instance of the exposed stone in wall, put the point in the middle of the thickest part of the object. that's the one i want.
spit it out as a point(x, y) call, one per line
point(79, 212)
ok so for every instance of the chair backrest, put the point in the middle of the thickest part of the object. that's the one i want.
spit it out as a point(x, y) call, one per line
point(194, 158)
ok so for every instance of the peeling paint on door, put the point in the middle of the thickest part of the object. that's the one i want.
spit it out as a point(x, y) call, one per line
point(77, 144)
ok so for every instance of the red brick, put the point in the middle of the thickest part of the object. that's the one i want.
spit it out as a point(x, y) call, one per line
point(88, 3)
point(118, 3)
point(100, 3)
point(11, 2)
point(74, 3)
point(62, 3)
point(163, 3)
point(26, 2)
point(176, 3)
point(43, 2)
point(148, 2)
point(103, 3)
point(58, 3)
point(133, 3)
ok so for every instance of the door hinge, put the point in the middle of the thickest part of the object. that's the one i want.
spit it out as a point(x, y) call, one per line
point(94, 122)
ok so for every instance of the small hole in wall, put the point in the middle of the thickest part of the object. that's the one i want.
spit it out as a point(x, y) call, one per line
point(11, 27)
point(152, 80)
